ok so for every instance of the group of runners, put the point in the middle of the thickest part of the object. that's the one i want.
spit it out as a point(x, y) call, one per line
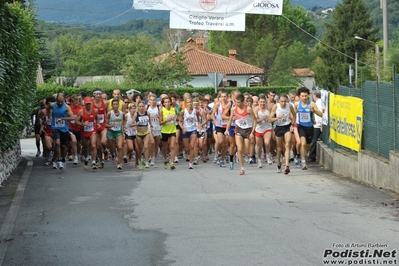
point(236, 128)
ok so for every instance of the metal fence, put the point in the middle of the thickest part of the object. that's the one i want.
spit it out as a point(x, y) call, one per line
point(380, 110)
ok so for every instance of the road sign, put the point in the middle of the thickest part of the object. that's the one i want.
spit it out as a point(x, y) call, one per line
point(216, 78)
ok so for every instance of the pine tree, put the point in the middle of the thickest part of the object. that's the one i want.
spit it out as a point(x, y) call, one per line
point(351, 18)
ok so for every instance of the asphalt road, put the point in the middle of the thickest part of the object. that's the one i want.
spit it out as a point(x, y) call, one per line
point(205, 216)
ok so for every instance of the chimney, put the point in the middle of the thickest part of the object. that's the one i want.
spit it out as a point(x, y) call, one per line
point(232, 54)
point(190, 42)
point(200, 43)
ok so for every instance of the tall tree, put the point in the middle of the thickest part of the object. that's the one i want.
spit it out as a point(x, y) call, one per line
point(393, 54)
point(145, 69)
point(264, 38)
point(351, 18)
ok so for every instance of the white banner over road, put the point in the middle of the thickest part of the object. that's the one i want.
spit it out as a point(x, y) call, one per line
point(207, 21)
point(266, 7)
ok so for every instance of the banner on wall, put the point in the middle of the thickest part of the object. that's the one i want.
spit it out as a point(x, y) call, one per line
point(346, 121)
point(207, 21)
point(265, 7)
point(324, 104)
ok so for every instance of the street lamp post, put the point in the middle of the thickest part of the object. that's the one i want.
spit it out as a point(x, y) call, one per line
point(377, 54)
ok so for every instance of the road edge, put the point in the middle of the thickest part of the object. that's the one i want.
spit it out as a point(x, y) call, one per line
point(9, 221)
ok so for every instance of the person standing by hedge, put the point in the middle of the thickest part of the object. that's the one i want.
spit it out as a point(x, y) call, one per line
point(61, 114)
point(37, 126)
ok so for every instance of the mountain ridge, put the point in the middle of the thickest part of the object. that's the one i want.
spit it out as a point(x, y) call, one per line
point(111, 13)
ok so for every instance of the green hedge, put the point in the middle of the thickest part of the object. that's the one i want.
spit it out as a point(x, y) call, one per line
point(19, 59)
point(45, 90)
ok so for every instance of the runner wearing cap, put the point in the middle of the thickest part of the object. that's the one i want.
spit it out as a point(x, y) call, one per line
point(101, 132)
point(87, 118)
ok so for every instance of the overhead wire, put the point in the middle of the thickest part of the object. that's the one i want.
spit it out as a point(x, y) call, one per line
point(320, 41)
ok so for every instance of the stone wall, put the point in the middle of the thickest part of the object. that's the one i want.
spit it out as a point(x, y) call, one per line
point(365, 167)
point(9, 160)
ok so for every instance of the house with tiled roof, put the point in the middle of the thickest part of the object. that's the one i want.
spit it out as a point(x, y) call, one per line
point(201, 62)
point(306, 77)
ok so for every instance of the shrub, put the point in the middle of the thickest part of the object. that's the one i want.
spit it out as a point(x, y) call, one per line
point(45, 90)
point(19, 59)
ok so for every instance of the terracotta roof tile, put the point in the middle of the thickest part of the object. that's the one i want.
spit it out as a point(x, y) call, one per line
point(201, 62)
point(303, 72)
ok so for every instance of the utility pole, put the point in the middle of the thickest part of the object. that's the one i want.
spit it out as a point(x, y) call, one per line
point(384, 6)
point(355, 69)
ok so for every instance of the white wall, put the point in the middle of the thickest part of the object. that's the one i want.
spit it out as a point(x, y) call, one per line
point(308, 82)
point(205, 81)
point(197, 82)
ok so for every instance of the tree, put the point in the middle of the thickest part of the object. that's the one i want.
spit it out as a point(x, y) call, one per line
point(376, 15)
point(351, 18)
point(264, 37)
point(393, 54)
point(143, 69)
point(297, 55)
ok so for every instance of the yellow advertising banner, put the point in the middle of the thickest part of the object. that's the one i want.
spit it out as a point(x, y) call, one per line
point(346, 121)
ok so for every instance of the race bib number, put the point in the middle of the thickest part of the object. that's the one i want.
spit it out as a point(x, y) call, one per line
point(172, 117)
point(116, 127)
point(305, 117)
point(189, 121)
point(89, 127)
point(264, 121)
point(130, 131)
point(101, 118)
point(143, 120)
point(60, 123)
point(189, 124)
point(241, 123)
